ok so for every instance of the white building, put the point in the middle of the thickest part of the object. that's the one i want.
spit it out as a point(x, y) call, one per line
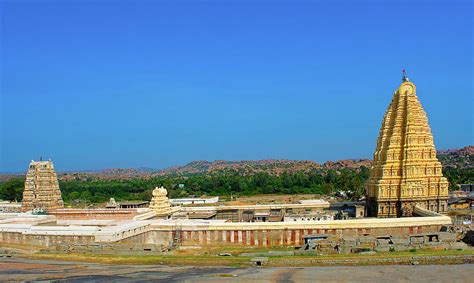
point(6, 206)
point(184, 201)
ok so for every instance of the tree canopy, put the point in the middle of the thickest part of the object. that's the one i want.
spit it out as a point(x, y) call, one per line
point(328, 182)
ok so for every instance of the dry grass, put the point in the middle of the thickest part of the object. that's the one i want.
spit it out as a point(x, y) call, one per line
point(214, 260)
point(22, 248)
point(195, 260)
point(234, 250)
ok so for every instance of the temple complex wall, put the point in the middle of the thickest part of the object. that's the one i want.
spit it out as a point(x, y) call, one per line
point(283, 237)
point(84, 214)
point(291, 234)
point(163, 233)
point(44, 240)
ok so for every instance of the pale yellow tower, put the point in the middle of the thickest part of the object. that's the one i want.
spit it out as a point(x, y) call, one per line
point(160, 203)
point(405, 171)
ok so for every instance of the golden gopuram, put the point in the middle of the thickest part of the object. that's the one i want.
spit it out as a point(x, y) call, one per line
point(41, 188)
point(405, 172)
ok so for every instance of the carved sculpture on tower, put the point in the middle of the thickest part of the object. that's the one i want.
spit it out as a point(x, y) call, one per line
point(41, 188)
point(160, 203)
point(405, 171)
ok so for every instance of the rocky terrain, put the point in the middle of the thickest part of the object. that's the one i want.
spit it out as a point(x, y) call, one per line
point(456, 158)
point(459, 158)
point(244, 167)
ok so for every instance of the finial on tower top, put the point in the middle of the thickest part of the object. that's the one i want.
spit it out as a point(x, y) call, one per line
point(405, 77)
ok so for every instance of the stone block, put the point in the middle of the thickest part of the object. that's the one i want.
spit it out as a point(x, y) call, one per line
point(446, 237)
point(382, 242)
point(417, 239)
point(458, 246)
point(399, 241)
point(366, 239)
point(384, 248)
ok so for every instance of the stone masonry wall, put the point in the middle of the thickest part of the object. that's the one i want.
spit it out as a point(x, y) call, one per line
point(88, 214)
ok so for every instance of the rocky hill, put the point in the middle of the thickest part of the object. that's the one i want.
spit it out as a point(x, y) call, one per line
point(270, 166)
point(456, 158)
point(459, 158)
point(245, 167)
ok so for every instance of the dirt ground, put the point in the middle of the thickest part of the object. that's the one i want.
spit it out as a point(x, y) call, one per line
point(28, 270)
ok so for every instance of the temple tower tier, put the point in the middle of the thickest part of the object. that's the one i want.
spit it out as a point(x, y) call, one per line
point(405, 170)
point(160, 203)
point(41, 188)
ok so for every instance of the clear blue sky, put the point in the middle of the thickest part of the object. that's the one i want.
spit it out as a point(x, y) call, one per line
point(100, 84)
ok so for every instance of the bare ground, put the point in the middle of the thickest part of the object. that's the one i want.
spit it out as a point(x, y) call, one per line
point(28, 270)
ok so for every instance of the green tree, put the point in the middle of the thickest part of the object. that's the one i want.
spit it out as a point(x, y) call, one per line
point(12, 190)
point(74, 195)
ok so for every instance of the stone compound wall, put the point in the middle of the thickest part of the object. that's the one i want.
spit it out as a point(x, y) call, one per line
point(43, 241)
point(280, 237)
point(187, 233)
point(162, 234)
point(161, 240)
point(89, 214)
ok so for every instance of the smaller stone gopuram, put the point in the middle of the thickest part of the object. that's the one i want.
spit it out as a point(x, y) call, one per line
point(41, 188)
point(112, 203)
point(160, 203)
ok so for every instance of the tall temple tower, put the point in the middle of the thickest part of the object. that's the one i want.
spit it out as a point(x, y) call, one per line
point(405, 171)
point(41, 187)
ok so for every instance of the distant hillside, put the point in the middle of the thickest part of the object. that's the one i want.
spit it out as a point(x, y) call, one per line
point(270, 166)
point(457, 158)
point(453, 158)
point(245, 167)
point(6, 177)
